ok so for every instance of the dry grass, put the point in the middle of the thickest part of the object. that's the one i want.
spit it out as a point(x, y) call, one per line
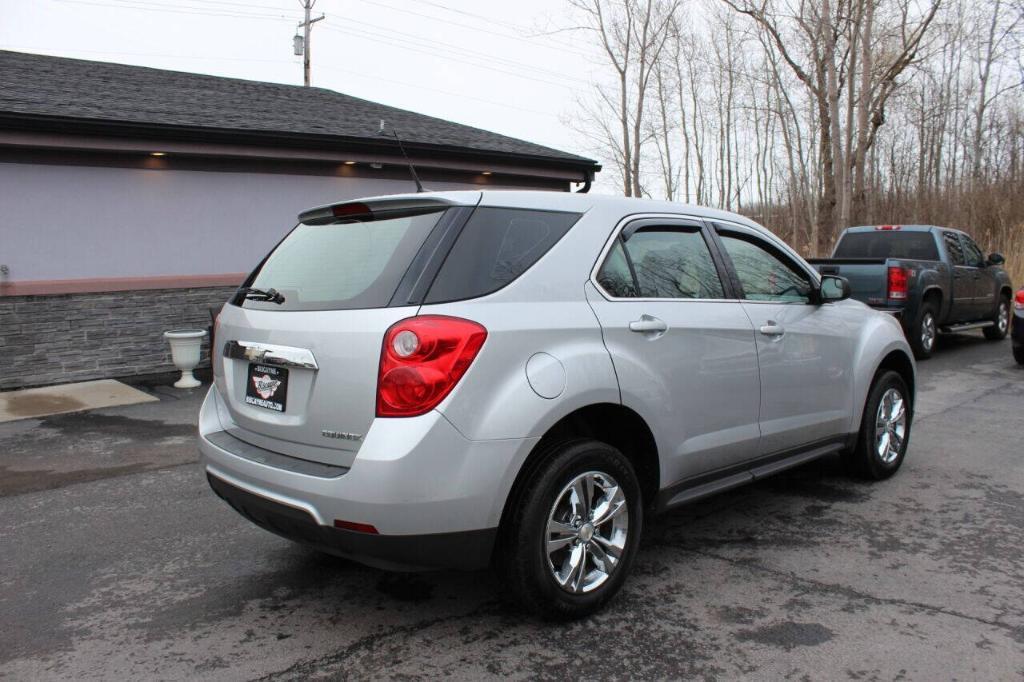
point(1013, 250)
point(992, 214)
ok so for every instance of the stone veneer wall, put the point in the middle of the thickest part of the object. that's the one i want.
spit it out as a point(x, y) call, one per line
point(76, 337)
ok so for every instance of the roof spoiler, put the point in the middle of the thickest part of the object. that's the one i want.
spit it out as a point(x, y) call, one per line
point(368, 208)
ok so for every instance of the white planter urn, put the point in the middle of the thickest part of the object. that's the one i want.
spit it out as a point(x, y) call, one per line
point(185, 351)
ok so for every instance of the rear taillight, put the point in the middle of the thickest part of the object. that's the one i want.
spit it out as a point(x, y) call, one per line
point(1018, 300)
point(422, 360)
point(897, 283)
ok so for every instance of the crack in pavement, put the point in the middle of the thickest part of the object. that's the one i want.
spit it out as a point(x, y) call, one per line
point(1015, 632)
point(974, 398)
point(303, 669)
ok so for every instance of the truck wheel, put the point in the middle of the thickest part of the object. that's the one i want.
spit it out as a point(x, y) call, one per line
point(567, 547)
point(884, 429)
point(924, 332)
point(1018, 354)
point(1002, 321)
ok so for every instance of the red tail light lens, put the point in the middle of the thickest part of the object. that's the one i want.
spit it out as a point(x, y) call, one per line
point(1018, 300)
point(421, 361)
point(897, 283)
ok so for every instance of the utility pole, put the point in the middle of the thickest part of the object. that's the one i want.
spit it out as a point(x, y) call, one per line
point(307, 25)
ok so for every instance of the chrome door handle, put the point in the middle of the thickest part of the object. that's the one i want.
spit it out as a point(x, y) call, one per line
point(772, 329)
point(647, 324)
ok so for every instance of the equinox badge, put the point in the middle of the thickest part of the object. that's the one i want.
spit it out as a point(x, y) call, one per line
point(341, 435)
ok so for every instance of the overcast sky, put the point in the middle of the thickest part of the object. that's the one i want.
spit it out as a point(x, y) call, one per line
point(494, 65)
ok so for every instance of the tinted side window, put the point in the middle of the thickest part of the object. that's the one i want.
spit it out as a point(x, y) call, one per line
point(615, 276)
point(956, 253)
point(765, 275)
point(972, 254)
point(673, 263)
point(495, 247)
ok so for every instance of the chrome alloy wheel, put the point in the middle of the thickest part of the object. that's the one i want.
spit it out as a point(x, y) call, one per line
point(1003, 320)
point(890, 425)
point(928, 331)
point(586, 533)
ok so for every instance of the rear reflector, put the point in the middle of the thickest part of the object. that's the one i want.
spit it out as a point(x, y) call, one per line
point(357, 527)
point(897, 283)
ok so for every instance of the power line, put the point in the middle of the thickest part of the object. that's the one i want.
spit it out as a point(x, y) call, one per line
point(461, 95)
point(40, 50)
point(472, 53)
point(530, 40)
point(478, 17)
point(434, 53)
point(148, 6)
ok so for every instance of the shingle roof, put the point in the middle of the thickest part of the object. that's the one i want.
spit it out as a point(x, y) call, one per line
point(45, 86)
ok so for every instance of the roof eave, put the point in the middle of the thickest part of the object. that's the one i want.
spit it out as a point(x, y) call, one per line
point(88, 126)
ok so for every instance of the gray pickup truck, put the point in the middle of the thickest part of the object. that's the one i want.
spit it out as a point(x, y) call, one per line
point(934, 279)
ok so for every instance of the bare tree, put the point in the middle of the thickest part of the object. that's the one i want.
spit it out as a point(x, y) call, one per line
point(632, 34)
point(810, 115)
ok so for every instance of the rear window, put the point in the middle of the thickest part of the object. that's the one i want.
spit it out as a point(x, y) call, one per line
point(344, 264)
point(887, 244)
point(495, 247)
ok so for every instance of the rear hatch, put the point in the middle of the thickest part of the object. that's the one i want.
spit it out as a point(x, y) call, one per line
point(299, 375)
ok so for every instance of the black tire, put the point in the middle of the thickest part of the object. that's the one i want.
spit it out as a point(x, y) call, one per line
point(864, 459)
point(998, 331)
point(921, 343)
point(522, 560)
point(1018, 354)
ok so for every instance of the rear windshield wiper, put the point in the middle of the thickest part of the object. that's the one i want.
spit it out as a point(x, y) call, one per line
point(269, 295)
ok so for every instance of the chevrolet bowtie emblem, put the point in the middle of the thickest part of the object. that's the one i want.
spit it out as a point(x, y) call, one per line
point(254, 354)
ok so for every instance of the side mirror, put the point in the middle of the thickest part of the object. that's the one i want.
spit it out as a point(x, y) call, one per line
point(996, 259)
point(833, 288)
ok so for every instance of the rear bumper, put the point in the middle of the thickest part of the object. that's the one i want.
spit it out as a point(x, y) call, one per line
point(463, 550)
point(1017, 328)
point(434, 496)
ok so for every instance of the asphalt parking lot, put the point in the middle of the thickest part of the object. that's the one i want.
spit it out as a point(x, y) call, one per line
point(117, 562)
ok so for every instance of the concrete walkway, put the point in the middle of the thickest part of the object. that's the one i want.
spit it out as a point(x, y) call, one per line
point(85, 395)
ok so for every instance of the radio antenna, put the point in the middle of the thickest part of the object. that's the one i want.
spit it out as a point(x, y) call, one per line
point(412, 169)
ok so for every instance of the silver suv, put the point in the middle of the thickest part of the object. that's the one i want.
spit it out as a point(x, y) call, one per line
point(516, 378)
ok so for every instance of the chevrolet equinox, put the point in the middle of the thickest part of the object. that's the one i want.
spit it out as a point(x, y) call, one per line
point(515, 379)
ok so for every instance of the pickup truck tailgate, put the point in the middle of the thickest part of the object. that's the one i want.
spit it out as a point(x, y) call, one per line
point(868, 277)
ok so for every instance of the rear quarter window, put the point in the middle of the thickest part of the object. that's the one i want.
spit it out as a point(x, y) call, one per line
point(495, 247)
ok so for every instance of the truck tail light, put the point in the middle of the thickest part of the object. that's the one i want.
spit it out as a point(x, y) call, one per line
point(1018, 300)
point(421, 361)
point(897, 283)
